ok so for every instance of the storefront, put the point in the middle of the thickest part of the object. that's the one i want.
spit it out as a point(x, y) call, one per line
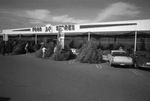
point(106, 32)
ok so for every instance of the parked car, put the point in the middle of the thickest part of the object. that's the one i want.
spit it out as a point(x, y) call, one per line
point(141, 59)
point(119, 57)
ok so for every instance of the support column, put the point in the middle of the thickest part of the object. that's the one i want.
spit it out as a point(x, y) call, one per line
point(20, 36)
point(135, 42)
point(89, 36)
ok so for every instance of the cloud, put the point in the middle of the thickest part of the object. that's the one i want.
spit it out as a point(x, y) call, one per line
point(40, 14)
point(43, 15)
point(118, 9)
point(67, 19)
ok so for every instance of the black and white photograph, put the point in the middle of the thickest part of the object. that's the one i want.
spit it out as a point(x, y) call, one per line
point(74, 50)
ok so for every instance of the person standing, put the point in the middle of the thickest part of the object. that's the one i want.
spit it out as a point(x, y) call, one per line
point(26, 47)
point(43, 52)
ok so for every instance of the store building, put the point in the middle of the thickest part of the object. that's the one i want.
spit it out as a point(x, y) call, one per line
point(106, 32)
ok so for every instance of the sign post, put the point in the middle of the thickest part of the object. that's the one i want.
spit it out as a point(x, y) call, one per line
point(5, 37)
point(89, 36)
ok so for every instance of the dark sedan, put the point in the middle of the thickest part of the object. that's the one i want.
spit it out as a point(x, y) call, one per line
point(141, 59)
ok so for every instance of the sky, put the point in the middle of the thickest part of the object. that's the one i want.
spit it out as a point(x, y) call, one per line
point(32, 13)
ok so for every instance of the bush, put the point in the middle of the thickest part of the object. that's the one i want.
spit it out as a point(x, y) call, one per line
point(117, 46)
point(1, 46)
point(50, 50)
point(62, 54)
point(75, 44)
point(142, 45)
point(106, 52)
point(105, 47)
point(111, 46)
point(20, 48)
point(36, 47)
point(39, 53)
point(31, 47)
point(9, 46)
point(90, 53)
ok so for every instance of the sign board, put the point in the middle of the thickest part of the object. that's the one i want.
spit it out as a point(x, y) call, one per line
point(47, 28)
point(61, 36)
point(66, 27)
point(5, 37)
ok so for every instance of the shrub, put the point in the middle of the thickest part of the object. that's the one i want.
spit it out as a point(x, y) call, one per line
point(90, 53)
point(149, 49)
point(39, 53)
point(142, 45)
point(62, 54)
point(1, 46)
point(68, 42)
point(111, 46)
point(9, 46)
point(49, 50)
point(19, 49)
point(36, 47)
point(31, 47)
point(117, 46)
point(105, 47)
point(75, 44)
point(106, 52)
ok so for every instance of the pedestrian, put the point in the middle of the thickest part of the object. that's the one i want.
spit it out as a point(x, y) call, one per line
point(43, 52)
point(55, 49)
point(26, 47)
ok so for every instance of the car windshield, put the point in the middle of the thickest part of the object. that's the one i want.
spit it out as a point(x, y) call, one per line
point(119, 54)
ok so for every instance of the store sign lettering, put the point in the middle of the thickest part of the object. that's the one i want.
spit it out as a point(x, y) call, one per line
point(48, 29)
point(39, 29)
point(66, 27)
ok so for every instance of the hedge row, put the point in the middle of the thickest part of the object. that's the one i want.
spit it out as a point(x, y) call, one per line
point(90, 52)
point(17, 47)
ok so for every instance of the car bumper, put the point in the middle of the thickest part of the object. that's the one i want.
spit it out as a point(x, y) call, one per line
point(121, 63)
